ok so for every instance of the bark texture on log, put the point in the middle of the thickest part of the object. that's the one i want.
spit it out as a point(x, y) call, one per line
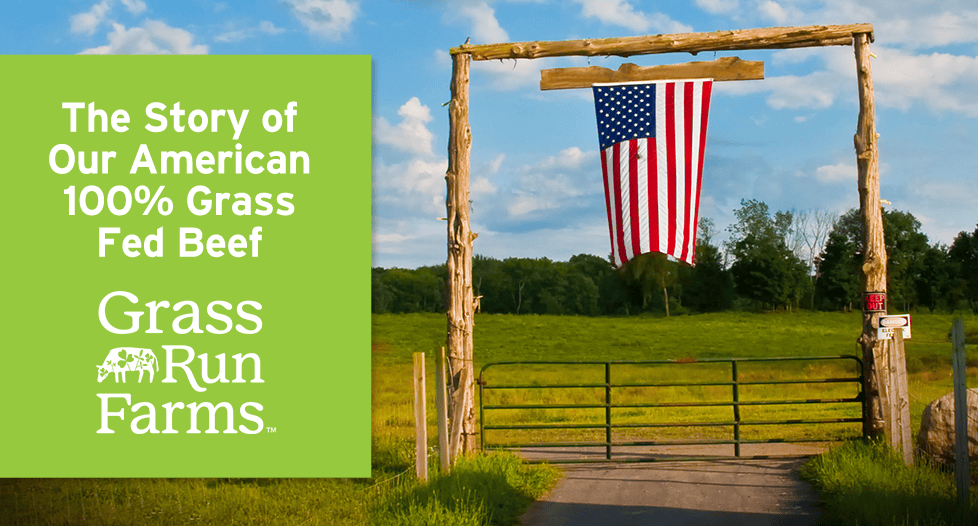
point(726, 68)
point(459, 265)
point(875, 353)
point(763, 38)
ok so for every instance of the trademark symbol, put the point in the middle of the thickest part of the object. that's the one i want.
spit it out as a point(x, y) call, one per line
point(270, 429)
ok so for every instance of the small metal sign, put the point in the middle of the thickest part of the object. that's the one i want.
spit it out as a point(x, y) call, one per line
point(874, 302)
point(889, 324)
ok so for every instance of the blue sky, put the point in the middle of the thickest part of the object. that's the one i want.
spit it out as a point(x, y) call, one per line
point(536, 190)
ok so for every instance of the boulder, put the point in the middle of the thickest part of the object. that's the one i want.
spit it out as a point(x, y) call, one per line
point(936, 438)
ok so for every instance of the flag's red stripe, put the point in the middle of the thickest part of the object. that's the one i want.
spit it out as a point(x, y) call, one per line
point(688, 152)
point(671, 162)
point(704, 115)
point(607, 198)
point(616, 173)
point(653, 195)
point(633, 196)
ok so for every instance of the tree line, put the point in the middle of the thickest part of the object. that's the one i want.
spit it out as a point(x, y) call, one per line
point(786, 261)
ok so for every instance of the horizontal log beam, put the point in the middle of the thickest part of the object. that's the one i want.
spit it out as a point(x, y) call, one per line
point(763, 38)
point(726, 68)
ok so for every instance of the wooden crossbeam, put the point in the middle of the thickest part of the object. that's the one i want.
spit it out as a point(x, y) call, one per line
point(764, 38)
point(726, 68)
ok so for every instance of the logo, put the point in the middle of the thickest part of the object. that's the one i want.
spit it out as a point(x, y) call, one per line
point(128, 359)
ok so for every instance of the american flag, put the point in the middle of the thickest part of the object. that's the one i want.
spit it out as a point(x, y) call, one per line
point(652, 137)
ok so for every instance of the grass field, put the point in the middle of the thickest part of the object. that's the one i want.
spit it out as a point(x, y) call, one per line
point(530, 338)
point(390, 497)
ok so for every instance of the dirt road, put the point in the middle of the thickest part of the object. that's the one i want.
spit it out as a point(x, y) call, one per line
point(722, 492)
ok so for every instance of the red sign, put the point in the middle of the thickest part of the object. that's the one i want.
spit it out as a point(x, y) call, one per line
point(874, 302)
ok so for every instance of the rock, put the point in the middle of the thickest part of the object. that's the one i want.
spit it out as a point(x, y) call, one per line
point(936, 438)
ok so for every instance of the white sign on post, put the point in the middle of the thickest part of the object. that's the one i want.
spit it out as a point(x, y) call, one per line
point(888, 324)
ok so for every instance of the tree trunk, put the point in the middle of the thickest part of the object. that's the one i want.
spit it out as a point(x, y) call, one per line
point(875, 353)
point(459, 265)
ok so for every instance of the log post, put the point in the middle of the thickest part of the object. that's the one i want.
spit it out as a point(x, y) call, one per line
point(875, 353)
point(420, 419)
point(441, 407)
point(459, 265)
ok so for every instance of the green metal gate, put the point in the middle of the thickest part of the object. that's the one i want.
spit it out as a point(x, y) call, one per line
point(535, 397)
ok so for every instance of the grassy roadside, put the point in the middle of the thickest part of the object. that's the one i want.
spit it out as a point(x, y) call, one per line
point(484, 490)
point(866, 484)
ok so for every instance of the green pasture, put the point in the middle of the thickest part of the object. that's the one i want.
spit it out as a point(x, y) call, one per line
point(502, 338)
point(485, 488)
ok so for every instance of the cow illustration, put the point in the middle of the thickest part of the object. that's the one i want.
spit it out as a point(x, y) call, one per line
point(124, 359)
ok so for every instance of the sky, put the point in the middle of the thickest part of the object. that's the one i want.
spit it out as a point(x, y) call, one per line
point(536, 186)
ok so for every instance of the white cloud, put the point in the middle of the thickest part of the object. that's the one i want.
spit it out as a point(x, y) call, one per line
point(134, 6)
point(411, 134)
point(932, 30)
point(509, 75)
point(391, 238)
point(496, 163)
point(718, 7)
point(409, 242)
point(234, 34)
point(773, 11)
point(485, 28)
point(554, 182)
point(622, 13)
point(571, 158)
point(909, 23)
point(836, 173)
point(482, 186)
point(328, 19)
point(416, 185)
point(156, 38)
point(269, 28)
point(89, 21)
point(940, 81)
point(524, 204)
point(815, 90)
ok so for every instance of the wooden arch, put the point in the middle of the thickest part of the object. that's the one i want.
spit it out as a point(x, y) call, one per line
point(461, 304)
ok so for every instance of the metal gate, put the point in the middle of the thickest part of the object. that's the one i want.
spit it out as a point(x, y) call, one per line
point(619, 401)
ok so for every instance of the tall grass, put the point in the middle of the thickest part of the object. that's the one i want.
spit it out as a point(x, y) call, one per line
point(490, 489)
point(484, 490)
point(866, 484)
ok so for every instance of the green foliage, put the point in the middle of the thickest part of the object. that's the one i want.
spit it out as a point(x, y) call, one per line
point(771, 270)
point(963, 259)
point(918, 274)
point(866, 483)
point(401, 290)
point(765, 270)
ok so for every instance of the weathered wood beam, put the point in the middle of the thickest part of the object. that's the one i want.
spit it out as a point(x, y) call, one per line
point(459, 265)
point(726, 68)
point(763, 38)
point(875, 353)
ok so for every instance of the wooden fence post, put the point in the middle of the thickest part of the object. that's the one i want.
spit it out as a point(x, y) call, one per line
point(875, 353)
point(420, 419)
point(444, 456)
point(900, 398)
point(958, 360)
point(459, 265)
